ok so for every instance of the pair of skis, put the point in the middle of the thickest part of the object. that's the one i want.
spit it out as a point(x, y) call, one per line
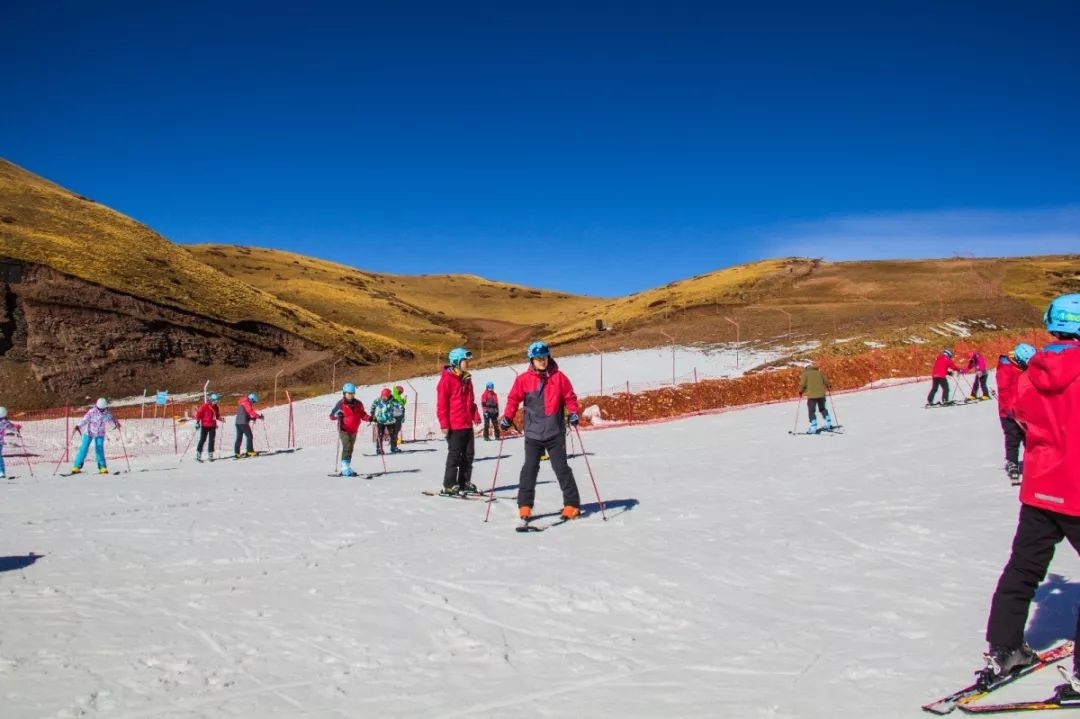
point(963, 699)
point(466, 496)
point(821, 430)
point(527, 525)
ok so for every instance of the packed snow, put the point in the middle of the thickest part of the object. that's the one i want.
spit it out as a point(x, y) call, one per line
point(741, 572)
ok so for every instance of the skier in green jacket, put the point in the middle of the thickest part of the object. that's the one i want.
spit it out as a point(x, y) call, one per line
point(815, 386)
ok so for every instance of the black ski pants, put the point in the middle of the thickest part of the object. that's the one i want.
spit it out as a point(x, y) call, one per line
point(1038, 532)
point(491, 419)
point(943, 383)
point(980, 381)
point(1014, 437)
point(384, 430)
point(206, 433)
point(461, 447)
point(556, 450)
point(816, 403)
point(243, 431)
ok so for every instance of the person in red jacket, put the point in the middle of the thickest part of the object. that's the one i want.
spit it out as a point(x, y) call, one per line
point(490, 402)
point(456, 409)
point(1009, 370)
point(349, 413)
point(547, 395)
point(1047, 405)
point(209, 417)
point(943, 367)
point(245, 416)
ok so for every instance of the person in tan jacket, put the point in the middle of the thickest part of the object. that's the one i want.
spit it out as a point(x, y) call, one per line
point(815, 386)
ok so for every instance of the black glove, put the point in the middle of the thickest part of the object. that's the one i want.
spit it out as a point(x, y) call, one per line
point(504, 423)
point(574, 419)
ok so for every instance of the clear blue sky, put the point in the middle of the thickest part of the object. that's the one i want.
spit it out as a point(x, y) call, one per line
point(595, 147)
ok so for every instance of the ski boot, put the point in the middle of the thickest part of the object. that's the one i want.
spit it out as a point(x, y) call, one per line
point(1068, 694)
point(198, 456)
point(209, 456)
point(828, 422)
point(76, 470)
point(394, 449)
point(569, 512)
point(449, 491)
point(1002, 660)
point(346, 469)
point(813, 427)
point(102, 470)
point(252, 453)
point(468, 488)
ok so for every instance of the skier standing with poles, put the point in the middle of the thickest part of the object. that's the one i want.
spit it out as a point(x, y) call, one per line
point(457, 413)
point(92, 428)
point(943, 367)
point(490, 402)
point(815, 386)
point(349, 413)
point(1009, 371)
point(209, 417)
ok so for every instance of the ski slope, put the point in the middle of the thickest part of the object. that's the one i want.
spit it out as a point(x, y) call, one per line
point(742, 572)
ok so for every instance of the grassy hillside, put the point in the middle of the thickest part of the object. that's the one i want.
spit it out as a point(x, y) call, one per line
point(43, 223)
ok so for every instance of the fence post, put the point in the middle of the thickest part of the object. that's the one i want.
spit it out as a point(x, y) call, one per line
point(290, 430)
point(67, 433)
point(176, 444)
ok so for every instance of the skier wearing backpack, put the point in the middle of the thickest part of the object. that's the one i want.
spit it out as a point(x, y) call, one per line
point(6, 425)
point(489, 401)
point(978, 363)
point(547, 395)
point(245, 417)
point(349, 413)
point(815, 386)
point(209, 417)
point(455, 406)
point(943, 368)
point(1047, 406)
point(1008, 374)
point(92, 429)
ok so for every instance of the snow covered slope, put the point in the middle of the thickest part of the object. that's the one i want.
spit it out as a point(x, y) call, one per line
point(742, 572)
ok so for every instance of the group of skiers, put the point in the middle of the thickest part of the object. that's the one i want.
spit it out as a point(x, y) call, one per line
point(387, 413)
point(944, 367)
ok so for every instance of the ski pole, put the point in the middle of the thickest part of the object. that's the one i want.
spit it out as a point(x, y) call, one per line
point(835, 416)
point(798, 406)
point(65, 453)
point(123, 446)
point(591, 477)
point(491, 494)
point(337, 451)
point(379, 450)
point(188, 445)
point(26, 454)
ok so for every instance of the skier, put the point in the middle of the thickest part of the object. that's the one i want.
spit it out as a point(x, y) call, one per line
point(815, 385)
point(1046, 405)
point(92, 427)
point(349, 413)
point(245, 416)
point(382, 409)
point(490, 402)
point(456, 409)
point(209, 417)
point(546, 392)
point(399, 397)
point(1008, 374)
point(978, 363)
point(6, 425)
point(943, 367)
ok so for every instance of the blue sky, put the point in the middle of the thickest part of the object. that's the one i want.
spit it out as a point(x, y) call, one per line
point(593, 147)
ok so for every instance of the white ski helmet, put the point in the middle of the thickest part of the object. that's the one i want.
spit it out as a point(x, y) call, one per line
point(3, 412)
point(102, 403)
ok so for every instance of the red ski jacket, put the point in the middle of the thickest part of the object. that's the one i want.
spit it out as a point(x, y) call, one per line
point(352, 414)
point(942, 365)
point(455, 403)
point(1048, 407)
point(1008, 373)
point(208, 415)
point(545, 396)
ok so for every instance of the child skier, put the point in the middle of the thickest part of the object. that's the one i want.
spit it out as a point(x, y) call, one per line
point(943, 367)
point(1008, 374)
point(245, 416)
point(490, 402)
point(815, 386)
point(978, 363)
point(208, 416)
point(399, 397)
point(6, 425)
point(382, 409)
point(349, 413)
point(545, 392)
point(456, 409)
point(92, 427)
point(1047, 405)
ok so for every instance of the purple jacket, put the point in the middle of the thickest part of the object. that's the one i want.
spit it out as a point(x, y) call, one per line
point(6, 425)
point(977, 362)
point(93, 424)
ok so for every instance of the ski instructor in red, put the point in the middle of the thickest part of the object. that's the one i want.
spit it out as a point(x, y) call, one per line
point(546, 393)
point(1047, 405)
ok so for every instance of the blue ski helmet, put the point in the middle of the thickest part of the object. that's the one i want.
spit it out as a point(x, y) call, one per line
point(539, 349)
point(1023, 352)
point(457, 354)
point(253, 397)
point(348, 388)
point(102, 403)
point(491, 385)
point(947, 353)
point(1062, 317)
point(214, 397)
